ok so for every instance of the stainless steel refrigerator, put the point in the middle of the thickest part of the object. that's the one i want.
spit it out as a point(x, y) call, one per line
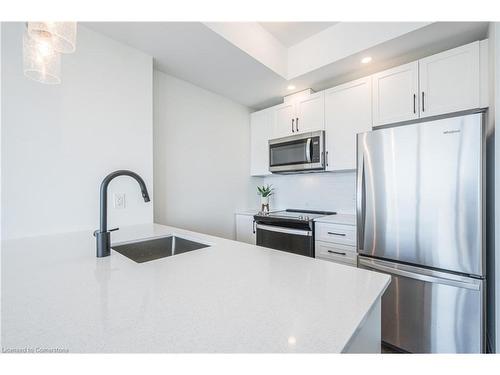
point(420, 219)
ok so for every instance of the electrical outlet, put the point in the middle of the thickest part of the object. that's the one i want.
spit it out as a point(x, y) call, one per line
point(119, 200)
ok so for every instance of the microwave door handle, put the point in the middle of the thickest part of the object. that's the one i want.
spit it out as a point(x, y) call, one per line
point(308, 150)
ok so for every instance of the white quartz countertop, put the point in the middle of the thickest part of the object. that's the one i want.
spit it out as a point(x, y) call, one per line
point(345, 219)
point(229, 297)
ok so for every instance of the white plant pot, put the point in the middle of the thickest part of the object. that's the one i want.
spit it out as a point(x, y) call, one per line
point(264, 204)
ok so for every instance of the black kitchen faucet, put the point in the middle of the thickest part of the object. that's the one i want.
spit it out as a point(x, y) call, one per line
point(103, 235)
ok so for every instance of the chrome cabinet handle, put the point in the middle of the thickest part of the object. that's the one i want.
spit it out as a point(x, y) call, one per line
point(326, 158)
point(253, 227)
point(297, 124)
point(293, 131)
point(414, 103)
point(337, 234)
point(423, 102)
point(336, 252)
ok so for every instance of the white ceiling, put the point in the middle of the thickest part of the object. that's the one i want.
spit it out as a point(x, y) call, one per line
point(290, 33)
point(193, 52)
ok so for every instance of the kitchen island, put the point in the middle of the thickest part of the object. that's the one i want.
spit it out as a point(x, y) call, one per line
point(228, 297)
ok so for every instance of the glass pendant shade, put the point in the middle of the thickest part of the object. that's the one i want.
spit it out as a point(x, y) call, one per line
point(40, 61)
point(63, 34)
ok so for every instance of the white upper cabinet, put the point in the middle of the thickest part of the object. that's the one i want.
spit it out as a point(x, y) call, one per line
point(310, 113)
point(284, 120)
point(299, 115)
point(395, 94)
point(260, 133)
point(449, 81)
point(348, 111)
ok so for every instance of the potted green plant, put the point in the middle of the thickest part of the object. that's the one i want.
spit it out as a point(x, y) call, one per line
point(265, 191)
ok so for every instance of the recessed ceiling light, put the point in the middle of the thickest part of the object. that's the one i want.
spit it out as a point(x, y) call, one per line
point(366, 60)
point(291, 87)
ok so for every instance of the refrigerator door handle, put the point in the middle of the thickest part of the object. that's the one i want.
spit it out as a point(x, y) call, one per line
point(404, 271)
point(360, 201)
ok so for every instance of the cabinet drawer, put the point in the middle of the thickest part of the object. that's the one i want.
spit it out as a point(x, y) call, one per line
point(336, 233)
point(336, 253)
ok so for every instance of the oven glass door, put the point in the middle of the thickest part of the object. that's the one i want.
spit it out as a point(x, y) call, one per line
point(296, 241)
point(294, 152)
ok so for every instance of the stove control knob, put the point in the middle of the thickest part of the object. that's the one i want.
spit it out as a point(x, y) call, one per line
point(306, 218)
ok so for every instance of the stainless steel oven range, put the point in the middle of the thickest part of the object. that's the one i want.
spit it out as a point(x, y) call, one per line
point(289, 230)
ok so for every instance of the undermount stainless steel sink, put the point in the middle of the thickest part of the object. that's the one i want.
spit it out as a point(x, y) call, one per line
point(145, 251)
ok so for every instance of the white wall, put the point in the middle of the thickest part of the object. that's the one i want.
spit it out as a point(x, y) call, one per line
point(314, 191)
point(201, 158)
point(59, 141)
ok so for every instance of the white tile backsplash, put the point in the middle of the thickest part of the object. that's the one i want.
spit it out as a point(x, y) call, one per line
point(315, 191)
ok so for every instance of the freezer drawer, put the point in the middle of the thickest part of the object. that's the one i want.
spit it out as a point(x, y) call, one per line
point(425, 311)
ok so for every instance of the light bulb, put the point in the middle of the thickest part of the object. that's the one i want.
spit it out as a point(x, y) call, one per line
point(62, 34)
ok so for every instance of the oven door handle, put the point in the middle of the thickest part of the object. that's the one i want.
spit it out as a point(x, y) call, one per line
point(298, 232)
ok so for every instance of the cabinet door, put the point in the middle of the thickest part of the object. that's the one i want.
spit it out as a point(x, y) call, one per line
point(260, 133)
point(348, 111)
point(310, 113)
point(449, 81)
point(284, 114)
point(245, 229)
point(395, 94)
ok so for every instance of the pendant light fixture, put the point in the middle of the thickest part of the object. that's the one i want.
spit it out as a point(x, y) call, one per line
point(40, 61)
point(63, 34)
point(43, 43)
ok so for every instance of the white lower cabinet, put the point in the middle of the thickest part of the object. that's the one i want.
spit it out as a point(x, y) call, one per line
point(336, 253)
point(245, 229)
point(336, 233)
point(336, 242)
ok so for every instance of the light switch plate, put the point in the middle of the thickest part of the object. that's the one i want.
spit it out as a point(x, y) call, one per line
point(119, 200)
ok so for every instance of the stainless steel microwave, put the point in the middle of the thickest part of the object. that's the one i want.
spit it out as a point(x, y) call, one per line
point(297, 153)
